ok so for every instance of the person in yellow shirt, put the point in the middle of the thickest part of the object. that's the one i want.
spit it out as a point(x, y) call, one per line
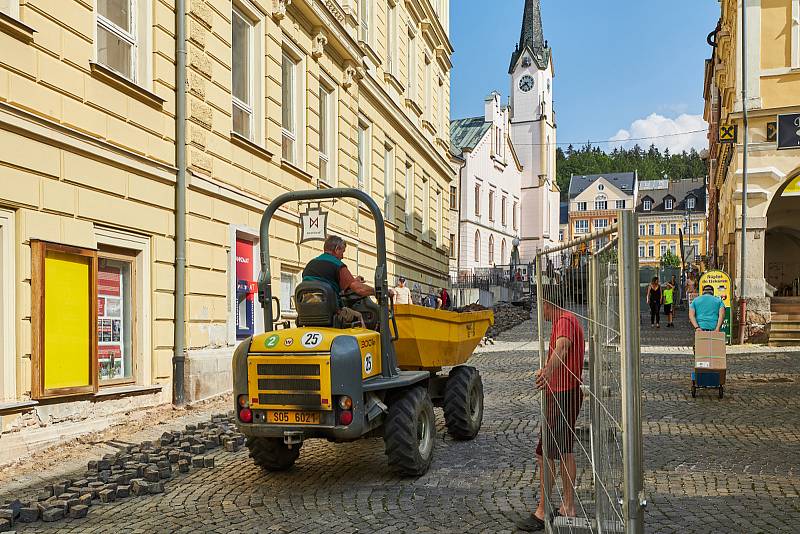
point(669, 299)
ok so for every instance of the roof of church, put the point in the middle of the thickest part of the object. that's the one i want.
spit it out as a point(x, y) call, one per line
point(532, 37)
point(466, 133)
point(624, 181)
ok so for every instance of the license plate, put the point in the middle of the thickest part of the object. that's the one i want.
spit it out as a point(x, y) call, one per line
point(292, 418)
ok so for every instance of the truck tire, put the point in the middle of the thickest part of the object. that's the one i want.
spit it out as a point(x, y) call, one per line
point(271, 454)
point(410, 432)
point(463, 403)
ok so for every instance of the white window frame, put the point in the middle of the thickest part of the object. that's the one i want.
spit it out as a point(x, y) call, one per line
point(298, 104)
point(642, 229)
point(662, 249)
point(663, 228)
point(642, 250)
point(582, 226)
point(389, 181)
point(364, 156)
point(8, 323)
point(695, 228)
point(673, 248)
point(620, 204)
point(673, 228)
point(251, 234)
point(651, 229)
point(453, 197)
point(647, 204)
point(10, 8)
point(477, 200)
point(391, 37)
point(651, 250)
point(426, 208)
point(669, 204)
point(365, 26)
point(795, 34)
point(503, 209)
point(515, 215)
point(428, 88)
point(254, 18)
point(138, 38)
point(439, 219)
point(477, 245)
point(491, 249)
point(600, 223)
point(142, 330)
point(691, 203)
point(491, 204)
point(410, 194)
point(601, 203)
point(581, 206)
point(286, 307)
point(329, 152)
point(411, 60)
point(444, 123)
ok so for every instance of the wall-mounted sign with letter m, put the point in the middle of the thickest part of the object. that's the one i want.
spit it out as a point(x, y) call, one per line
point(314, 225)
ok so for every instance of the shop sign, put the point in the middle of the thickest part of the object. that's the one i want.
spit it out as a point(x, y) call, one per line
point(314, 225)
point(721, 282)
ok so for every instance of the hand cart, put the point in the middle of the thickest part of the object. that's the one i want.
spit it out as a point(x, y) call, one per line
point(708, 379)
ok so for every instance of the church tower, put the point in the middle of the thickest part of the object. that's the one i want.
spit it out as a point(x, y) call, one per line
point(533, 133)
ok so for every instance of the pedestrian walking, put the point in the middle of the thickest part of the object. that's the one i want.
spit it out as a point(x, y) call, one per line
point(655, 298)
point(444, 297)
point(560, 381)
point(707, 312)
point(669, 299)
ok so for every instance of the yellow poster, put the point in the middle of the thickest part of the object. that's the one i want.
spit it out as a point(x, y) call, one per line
point(721, 283)
point(793, 189)
point(67, 349)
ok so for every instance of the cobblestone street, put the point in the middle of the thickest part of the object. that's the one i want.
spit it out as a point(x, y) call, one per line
point(712, 465)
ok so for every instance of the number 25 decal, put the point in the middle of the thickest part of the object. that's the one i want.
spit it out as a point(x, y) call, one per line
point(311, 340)
point(368, 363)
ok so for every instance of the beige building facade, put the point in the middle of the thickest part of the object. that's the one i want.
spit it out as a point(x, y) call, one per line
point(282, 96)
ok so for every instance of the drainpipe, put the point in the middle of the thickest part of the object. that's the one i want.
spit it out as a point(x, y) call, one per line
point(742, 301)
point(179, 356)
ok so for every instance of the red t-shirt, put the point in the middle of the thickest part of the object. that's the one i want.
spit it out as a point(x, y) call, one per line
point(569, 374)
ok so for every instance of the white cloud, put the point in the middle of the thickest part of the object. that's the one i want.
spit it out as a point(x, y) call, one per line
point(664, 131)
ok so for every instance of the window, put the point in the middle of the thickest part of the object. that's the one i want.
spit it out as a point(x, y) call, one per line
point(288, 285)
point(663, 229)
point(117, 40)
point(10, 8)
point(641, 251)
point(491, 249)
point(695, 228)
point(453, 197)
point(291, 108)
point(561, 235)
point(600, 223)
point(364, 157)
point(439, 219)
point(242, 74)
point(365, 21)
point(690, 203)
point(8, 324)
point(651, 229)
point(647, 204)
point(641, 229)
point(426, 208)
point(795, 34)
point(669, 204)
point(409, 200)
point(696, 249)
point(327, 134)
point(673, 228)
point(514, 215)
point(444, 122)
point(620, 205)
point(651, 250)
point(388, 182)
point(601, 187)
point(503, 204)
point(452, 245)
point(601, 203)
point(477, 200)
point(411, 65)
point(503, 251)
point(581, 226)
point(491, 206)
point(581, 206)
point(477, 251)
point(391, 37)
point(663, 249)
point(428, 89)
point(115, 307)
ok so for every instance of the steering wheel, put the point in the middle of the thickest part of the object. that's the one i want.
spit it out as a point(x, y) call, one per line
point(350, 298)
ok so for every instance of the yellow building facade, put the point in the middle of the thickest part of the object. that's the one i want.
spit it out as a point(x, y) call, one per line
point(281, 96)
point(772, 81)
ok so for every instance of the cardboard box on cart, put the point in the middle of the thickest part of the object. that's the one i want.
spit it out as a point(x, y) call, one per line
point(709, 351)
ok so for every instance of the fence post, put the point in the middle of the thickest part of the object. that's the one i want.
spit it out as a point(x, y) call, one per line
point(631, 389)
point(596, 434)
point(542, 361)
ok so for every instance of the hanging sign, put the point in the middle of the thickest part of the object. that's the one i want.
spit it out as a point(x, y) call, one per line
point(721, 283)
point(314, 225)
point(793, 189)
point(789, 131)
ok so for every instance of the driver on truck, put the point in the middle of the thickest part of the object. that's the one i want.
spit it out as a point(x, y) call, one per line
point(330, 269)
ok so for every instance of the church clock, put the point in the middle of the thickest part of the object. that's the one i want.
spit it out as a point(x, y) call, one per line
point(526, 83)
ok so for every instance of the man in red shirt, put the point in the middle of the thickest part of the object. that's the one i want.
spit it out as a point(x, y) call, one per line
point(560, 381)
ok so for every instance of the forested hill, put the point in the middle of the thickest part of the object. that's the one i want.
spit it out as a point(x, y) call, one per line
point(652, 164)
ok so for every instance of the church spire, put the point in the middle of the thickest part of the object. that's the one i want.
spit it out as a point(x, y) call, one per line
point(531, 36)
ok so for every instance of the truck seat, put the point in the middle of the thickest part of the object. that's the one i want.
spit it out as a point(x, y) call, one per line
point(316, 303)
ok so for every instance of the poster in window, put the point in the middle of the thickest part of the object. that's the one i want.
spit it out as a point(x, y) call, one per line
point(110, 326)
point(113, 307)
point(245, 289)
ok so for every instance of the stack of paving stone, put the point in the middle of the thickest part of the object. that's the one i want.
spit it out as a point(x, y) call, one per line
point(134, 471)
point(506, 317)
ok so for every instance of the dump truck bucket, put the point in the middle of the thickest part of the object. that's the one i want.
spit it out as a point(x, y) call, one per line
point(431, 339)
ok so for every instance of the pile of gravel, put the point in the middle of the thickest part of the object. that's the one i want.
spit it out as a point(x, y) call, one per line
point(135, 470)
point(506, 317)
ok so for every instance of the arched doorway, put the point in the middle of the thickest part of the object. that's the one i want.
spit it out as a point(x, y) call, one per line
point(782, 243)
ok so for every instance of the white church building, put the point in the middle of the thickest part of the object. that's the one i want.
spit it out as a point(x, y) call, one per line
point(506, 163)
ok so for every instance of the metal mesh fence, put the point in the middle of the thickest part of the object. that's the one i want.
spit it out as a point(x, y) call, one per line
point(590, 446)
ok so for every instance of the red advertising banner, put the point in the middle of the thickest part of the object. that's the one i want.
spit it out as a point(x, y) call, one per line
point(109, 281)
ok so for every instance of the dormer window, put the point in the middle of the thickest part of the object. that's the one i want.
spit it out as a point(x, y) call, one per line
point(669, 203)
point(647, 204)
point(690, 203)
point(601, 187)
point(601, 202)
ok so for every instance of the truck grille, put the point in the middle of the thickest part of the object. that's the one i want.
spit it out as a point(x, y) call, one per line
point(280, 383)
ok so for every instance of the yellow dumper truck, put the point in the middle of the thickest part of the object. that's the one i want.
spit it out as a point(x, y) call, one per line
point(342, 382)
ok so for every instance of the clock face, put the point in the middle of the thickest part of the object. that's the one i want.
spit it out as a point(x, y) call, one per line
point(526, 83)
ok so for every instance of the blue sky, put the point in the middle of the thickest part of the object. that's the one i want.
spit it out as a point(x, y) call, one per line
point(624, 68)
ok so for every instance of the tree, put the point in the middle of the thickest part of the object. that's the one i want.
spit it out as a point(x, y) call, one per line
point(670, 260)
